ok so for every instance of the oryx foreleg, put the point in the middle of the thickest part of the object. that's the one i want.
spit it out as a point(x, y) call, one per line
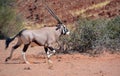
point(48, 52)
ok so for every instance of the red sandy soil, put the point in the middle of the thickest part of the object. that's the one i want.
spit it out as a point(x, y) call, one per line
point(63, 64)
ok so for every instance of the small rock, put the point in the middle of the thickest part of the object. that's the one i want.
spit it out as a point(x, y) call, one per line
point(27, 68)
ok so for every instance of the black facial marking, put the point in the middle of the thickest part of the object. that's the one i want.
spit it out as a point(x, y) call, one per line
point(64, 31)
point(58, 26)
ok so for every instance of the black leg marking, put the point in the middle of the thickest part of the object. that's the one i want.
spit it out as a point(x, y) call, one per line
point(23, 53)
point(51, 48)
point(25, 47)
point(16, 46)
point(46, 49)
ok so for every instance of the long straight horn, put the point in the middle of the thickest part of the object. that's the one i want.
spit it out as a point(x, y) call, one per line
point(52, 13)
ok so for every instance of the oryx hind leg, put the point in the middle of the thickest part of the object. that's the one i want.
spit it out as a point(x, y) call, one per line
point(24, 53)
point(12, 50)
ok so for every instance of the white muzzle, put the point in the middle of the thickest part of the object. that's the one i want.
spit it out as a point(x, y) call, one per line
point(68, 33)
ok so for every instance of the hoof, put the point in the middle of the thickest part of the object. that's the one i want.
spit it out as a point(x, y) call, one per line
point(27, 62)
point(8, 58)
point(49, 61)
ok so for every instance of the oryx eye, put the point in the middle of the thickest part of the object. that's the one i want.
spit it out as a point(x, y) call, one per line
point(66, 30)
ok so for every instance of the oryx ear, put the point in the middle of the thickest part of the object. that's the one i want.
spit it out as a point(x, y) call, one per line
point(58, 26)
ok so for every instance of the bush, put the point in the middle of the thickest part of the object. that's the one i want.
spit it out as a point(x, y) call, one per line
point(91, 36)
point(113, 33)
point(10, 22)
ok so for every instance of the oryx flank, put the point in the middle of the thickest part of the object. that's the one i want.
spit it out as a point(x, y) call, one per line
point(43, 37)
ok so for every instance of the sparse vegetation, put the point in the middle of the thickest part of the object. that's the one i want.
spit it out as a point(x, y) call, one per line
point(92, 36)
point(10, 22)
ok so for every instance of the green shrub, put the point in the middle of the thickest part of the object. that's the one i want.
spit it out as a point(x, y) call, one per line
point(113, 33)
point(10, 22)
point(93, 36)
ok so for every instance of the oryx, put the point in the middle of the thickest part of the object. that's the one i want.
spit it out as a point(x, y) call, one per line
point(43, 37)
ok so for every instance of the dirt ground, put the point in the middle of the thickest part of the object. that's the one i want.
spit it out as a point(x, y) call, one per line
point(63, 65)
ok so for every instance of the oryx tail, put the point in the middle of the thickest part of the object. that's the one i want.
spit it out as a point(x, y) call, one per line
point(9, 40)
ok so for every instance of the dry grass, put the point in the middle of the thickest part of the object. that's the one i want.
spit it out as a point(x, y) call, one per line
point(95, 6)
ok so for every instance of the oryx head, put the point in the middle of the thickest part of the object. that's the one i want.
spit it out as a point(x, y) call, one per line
point(60, 24)
point(63, 29)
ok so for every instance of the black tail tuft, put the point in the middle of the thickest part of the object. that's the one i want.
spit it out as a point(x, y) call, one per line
point(8, 40)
